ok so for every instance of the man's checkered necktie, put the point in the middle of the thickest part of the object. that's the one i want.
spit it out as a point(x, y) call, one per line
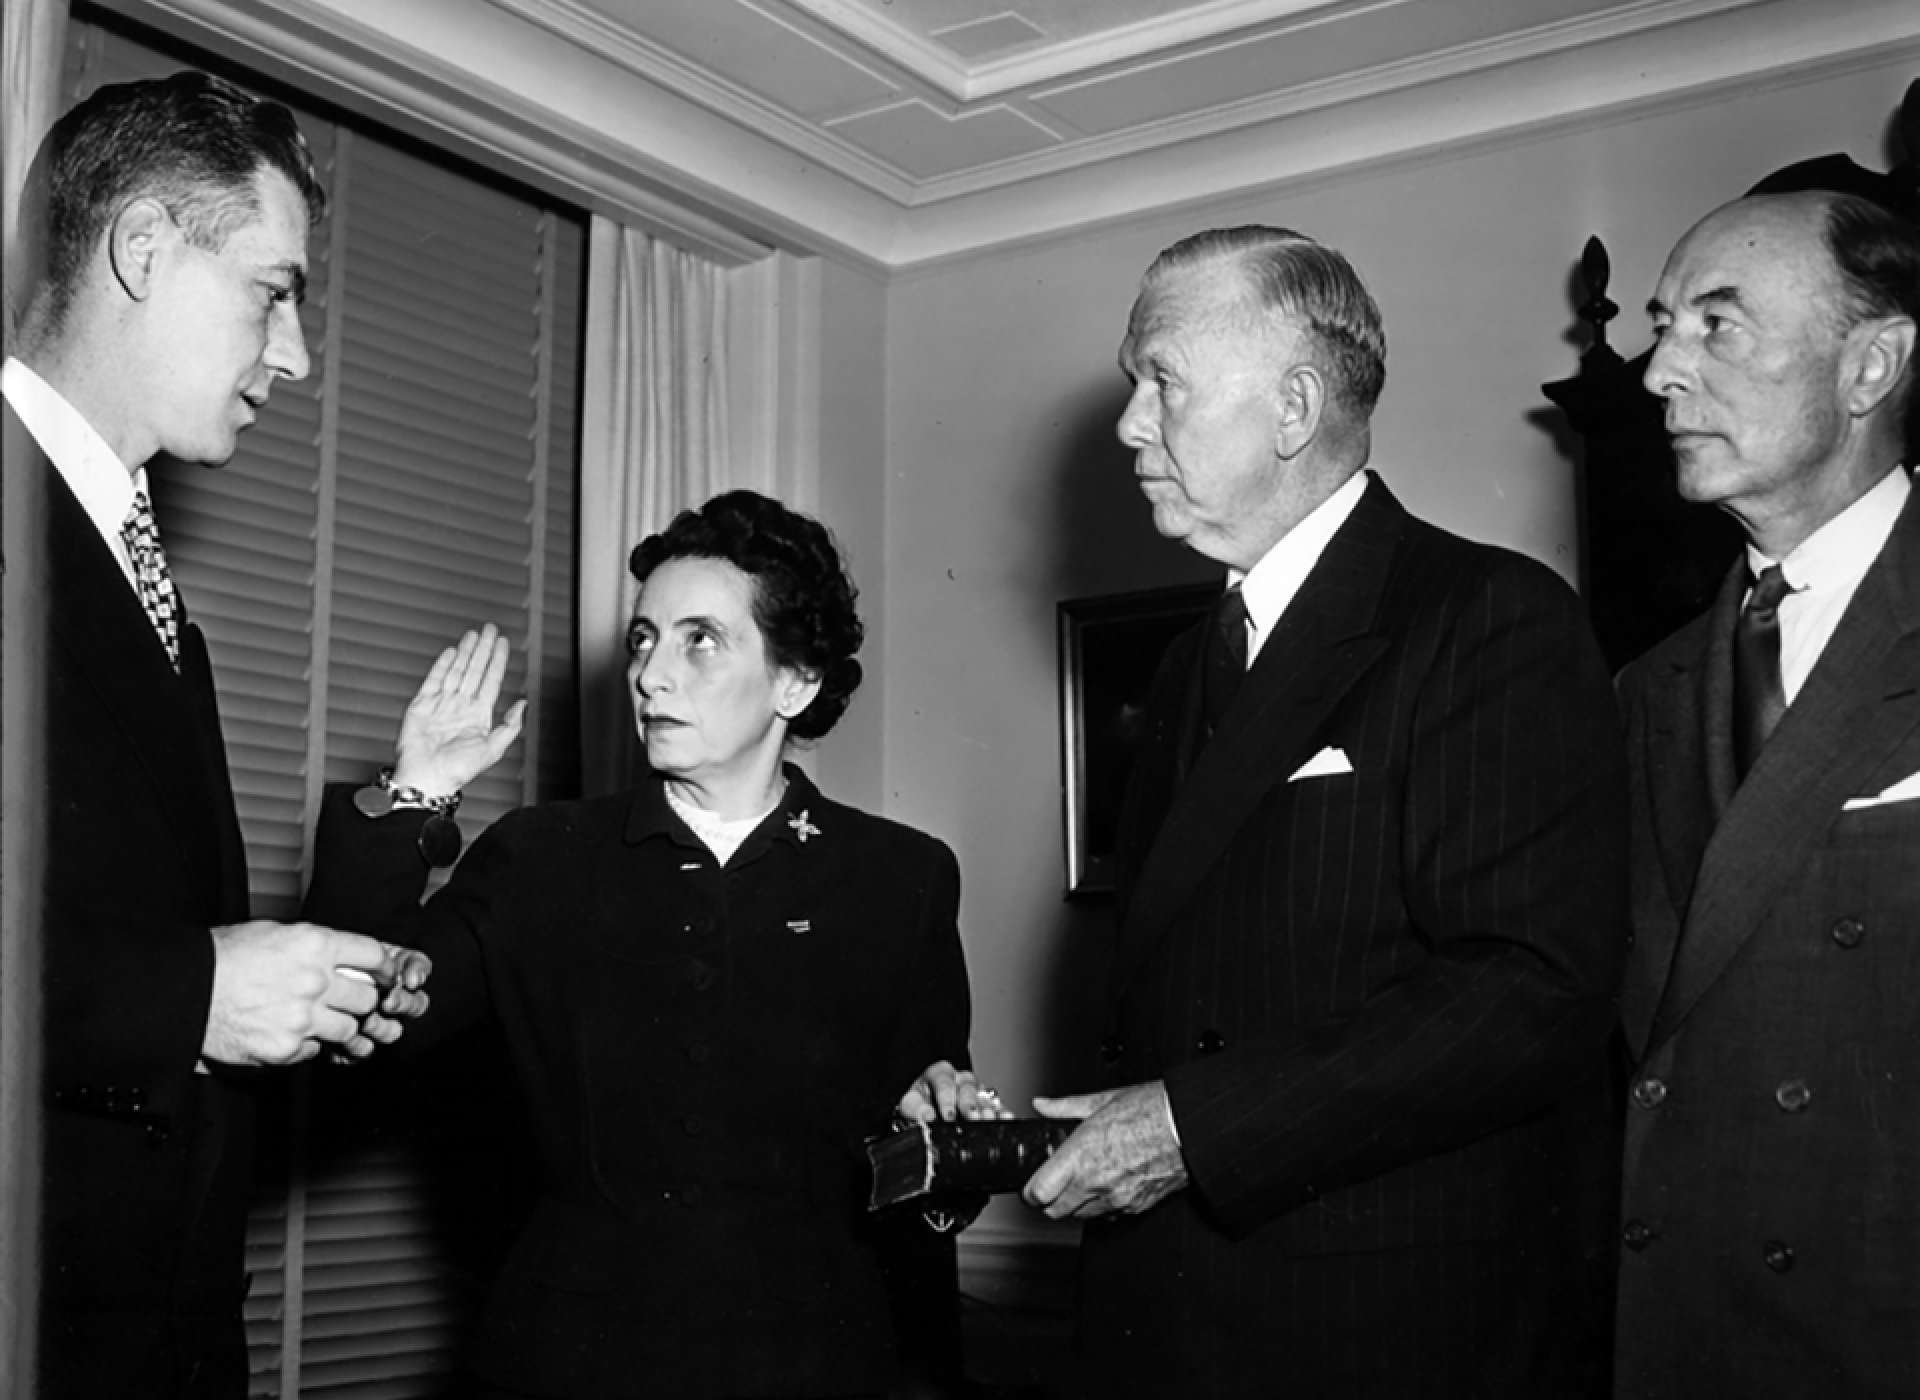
point(150, 575)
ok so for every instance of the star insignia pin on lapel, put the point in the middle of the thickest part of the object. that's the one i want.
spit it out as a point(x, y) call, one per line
point(802, 828)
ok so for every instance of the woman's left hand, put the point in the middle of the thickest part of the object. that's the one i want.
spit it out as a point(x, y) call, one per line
point(447, 736)
point(944, 1093)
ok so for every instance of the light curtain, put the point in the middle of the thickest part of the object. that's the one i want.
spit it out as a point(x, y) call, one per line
point(654, 441)
point(29, 102)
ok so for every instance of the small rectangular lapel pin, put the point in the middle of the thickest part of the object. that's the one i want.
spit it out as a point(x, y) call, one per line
point(799, 926)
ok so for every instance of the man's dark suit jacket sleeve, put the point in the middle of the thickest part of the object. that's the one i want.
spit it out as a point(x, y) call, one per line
point(368, 876)
point(1511, 866)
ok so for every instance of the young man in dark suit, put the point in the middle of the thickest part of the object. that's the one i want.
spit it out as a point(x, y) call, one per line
point(1372, 900)
point(172, 218)
point(1770, 1241)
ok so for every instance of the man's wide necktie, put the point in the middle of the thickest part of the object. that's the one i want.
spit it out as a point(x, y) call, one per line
point(1758, 697)
point(1224, 661)
point(150, 575)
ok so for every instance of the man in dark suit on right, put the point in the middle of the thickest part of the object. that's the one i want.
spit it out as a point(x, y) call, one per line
point(1372, 908)
point(1770, 1242)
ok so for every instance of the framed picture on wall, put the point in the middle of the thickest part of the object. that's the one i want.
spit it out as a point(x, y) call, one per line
point(1110, 648)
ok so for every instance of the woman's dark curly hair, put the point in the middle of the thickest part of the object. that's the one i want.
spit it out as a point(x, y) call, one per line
point(803, 598)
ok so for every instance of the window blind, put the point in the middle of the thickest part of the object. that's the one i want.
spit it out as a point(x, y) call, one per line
point(420, 481)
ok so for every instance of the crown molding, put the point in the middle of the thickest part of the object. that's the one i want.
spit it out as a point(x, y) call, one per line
point(1481, 57)
point(933, 64)
point(588, 126)
point(595, 33)
point(666, 165)
point(1049, 63)
point(1626, 77)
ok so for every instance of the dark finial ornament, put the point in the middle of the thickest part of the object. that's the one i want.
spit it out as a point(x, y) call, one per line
point(1596, 270)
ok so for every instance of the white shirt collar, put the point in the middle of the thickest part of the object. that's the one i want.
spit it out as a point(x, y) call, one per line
point(91, 469)
point(721, 835)
point(1270, 585)
point(1838, 554)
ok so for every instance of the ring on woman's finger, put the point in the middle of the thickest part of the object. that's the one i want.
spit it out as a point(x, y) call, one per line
point(990, 1095)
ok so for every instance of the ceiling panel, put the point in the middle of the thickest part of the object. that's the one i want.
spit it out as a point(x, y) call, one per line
point(924, 100)
point(991, 37)
point(924, 143)
point(755, 49)
point(1300, 56)
point(1059, 21)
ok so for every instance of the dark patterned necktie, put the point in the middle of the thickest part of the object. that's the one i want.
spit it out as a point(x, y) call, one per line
point(150, 576)
point(1759, 699)
point(1224, 662)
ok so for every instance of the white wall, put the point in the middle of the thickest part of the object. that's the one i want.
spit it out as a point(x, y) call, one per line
point(852, 368)
point(1007, 492)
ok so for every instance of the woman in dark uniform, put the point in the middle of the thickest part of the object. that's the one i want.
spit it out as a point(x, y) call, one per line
point(712, 987)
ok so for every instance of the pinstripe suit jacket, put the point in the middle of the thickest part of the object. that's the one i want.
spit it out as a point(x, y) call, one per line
point(1367, 993)
point(1772, 1192)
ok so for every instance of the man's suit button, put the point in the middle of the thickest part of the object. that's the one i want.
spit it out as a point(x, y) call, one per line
point(1111, 1049)
point(699, 975)
point(1650, 1092)
point(1210, 1043)
point(1793, 1095)
point(693, 1125)
point(700, 1052)
point(1779, 1256)
point(1637, 1235)
point(1848, 932)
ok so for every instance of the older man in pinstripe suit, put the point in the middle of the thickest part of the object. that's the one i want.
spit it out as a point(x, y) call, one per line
point(1372, 905)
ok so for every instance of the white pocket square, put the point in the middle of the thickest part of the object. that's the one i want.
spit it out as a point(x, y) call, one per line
point(1328, 763)
point(1906, 790)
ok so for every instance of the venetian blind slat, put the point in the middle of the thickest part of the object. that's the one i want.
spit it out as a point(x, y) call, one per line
point(559, 710)
point(433, 521)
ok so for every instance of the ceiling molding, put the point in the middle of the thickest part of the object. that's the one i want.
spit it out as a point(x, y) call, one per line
point(1449, 120)
point(330, 48)
point(584, 123)
point(657, 64)
point(1052, 62)
point(1483, 57)
point(933, 64)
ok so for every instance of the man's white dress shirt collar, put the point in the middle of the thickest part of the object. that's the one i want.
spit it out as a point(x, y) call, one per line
point(1825, 570)
point(91, 469)
point(1270, 585)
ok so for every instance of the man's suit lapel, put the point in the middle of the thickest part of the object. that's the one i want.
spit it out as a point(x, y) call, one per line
point(1859, 704)
point(1686, 754)
point(1323, 644)
point(101, 628)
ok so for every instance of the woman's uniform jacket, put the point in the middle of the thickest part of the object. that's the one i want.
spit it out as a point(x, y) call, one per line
point(148, 1164)
point(702, 1051)
point(1371, 938)
point(1771, 1232)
